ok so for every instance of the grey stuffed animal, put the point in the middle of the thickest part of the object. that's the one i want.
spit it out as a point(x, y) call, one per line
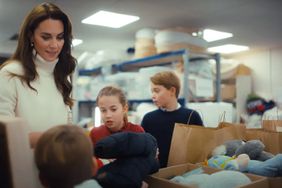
point(228, 148)
point(253, 148)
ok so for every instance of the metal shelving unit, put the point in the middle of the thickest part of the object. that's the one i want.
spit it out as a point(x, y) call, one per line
point(163, 59)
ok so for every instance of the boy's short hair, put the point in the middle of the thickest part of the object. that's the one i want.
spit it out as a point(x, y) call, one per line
point(168, 79)
point(63, 156)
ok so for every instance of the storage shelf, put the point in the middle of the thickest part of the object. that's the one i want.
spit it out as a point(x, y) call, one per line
point(90, 72)
point(162, 59)
point(131, 101)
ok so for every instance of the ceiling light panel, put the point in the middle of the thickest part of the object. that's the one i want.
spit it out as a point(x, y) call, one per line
point(110, 19)
point(213, 35)
point(228, 49)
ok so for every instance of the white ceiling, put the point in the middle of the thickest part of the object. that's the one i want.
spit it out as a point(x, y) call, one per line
point(255, 23)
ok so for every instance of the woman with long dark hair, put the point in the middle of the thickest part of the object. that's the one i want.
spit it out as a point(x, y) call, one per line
point(36, 80)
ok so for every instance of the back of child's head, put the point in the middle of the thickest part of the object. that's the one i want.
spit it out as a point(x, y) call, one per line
point(112, 91)
point(63, 156)
point(167, 79)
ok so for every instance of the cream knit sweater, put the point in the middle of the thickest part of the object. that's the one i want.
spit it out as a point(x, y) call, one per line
point(42, 109)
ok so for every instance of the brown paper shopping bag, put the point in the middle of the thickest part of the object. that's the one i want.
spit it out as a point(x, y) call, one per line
point(231, 131)
point(272, 140)
point(194, 144)
point(272, 125)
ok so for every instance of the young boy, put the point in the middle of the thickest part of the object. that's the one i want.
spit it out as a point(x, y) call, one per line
point(165, 87)
point(63, 156)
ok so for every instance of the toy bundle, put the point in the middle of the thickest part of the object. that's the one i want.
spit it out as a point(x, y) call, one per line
point(247, 157)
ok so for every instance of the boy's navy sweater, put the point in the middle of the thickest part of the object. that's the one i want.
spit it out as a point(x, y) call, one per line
point(160, 124)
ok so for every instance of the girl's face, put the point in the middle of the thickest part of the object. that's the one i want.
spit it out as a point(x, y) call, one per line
point(112, 112)
point(48, 39)
point(161, 96)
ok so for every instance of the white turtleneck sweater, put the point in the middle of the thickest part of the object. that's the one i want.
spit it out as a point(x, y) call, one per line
point(42, 109)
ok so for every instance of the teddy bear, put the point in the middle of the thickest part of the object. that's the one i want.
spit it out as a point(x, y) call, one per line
point(253, 148)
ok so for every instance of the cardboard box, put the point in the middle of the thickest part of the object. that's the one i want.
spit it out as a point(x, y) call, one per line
point(275, 182)
point(228, 91)
point(243, 70)
point(161, 178)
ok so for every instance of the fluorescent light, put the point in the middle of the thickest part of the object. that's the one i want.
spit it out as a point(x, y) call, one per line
point(97, 121)
point(110, 19)
point(76, 42)
point(228, 48)
point(213, 35)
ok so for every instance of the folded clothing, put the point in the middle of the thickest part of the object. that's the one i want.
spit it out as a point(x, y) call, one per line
point(135, 158)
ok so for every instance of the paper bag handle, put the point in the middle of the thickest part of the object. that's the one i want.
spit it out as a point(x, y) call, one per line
point(222, 117)
point(189, 118)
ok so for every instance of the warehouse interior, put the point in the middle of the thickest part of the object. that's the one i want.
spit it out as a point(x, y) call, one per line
point(242, 88)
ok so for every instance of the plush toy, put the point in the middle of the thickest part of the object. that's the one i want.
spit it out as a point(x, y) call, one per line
point(228, 148)
point(223, 162)
point(225, 178)
point(253, 148)
point(239, 163)
point(270, 168)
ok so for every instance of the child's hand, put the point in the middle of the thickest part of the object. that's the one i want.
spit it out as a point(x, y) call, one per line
point(144, 185)
point(111, 160)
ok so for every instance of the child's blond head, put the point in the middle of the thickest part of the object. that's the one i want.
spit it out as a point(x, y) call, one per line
point(112, 91)
point(116, 92)
point(167, 79)
point(63, 156)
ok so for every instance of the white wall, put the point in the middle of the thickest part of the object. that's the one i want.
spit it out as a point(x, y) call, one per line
point(266, 71)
